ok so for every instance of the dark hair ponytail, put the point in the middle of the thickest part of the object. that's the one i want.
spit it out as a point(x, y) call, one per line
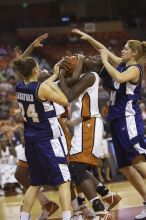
point(24, 66)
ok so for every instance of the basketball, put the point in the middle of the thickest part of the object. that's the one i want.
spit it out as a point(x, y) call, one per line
point(72, 63)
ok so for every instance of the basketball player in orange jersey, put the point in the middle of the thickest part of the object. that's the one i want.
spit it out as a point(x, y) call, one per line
point(79, 205)
point(86, 141)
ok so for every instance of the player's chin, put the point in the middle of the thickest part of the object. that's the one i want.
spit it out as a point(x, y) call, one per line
point(123, 58)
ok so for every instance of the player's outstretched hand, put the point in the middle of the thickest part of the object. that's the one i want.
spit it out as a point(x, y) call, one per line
point(83, 35)
point(17, 52)
point(38, 41)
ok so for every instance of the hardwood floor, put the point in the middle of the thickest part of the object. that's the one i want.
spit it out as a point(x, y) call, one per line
point(129, 206)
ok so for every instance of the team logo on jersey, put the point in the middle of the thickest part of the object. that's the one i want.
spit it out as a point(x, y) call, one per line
point(88, 125)
point(116, 85)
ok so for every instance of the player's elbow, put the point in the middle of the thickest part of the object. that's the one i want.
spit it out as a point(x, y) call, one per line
point(71, 97)
point(119, 79)
point(66, 103)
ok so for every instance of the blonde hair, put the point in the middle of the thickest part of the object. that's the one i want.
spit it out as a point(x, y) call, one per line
point(138, 47)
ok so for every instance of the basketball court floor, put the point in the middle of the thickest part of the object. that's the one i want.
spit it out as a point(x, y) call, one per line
point(128, 207)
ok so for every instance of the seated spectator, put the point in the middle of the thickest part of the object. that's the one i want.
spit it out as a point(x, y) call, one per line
point(7, 164)
point(143, 110)
point(44, 65)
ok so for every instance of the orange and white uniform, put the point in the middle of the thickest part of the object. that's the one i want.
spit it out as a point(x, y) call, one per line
point(86, 142)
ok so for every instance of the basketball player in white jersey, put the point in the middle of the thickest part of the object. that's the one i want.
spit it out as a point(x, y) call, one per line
point(86, 142)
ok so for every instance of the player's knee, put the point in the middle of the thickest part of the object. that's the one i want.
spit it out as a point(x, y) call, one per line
point(17, 174)
point(106, 163)
point(100, 163)
point(21, 173)
point(78, 173)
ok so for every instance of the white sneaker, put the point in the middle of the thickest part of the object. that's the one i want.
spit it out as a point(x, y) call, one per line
point(104, 215)
point(77, 216)
point(18, 190)
point(96, 218)
point(142, 215)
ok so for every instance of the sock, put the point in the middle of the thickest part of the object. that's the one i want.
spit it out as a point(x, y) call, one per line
point(66, 215)
point(25, 216)
point(81, 199)
point(75, 204)
point(91, 200)
point(102, 190)
point(81, 195)
point(42, 198)
point(97, 204)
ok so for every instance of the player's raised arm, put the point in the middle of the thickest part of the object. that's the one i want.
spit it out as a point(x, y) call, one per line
point(36, 43)
point(75, 90)
point(97, 45)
